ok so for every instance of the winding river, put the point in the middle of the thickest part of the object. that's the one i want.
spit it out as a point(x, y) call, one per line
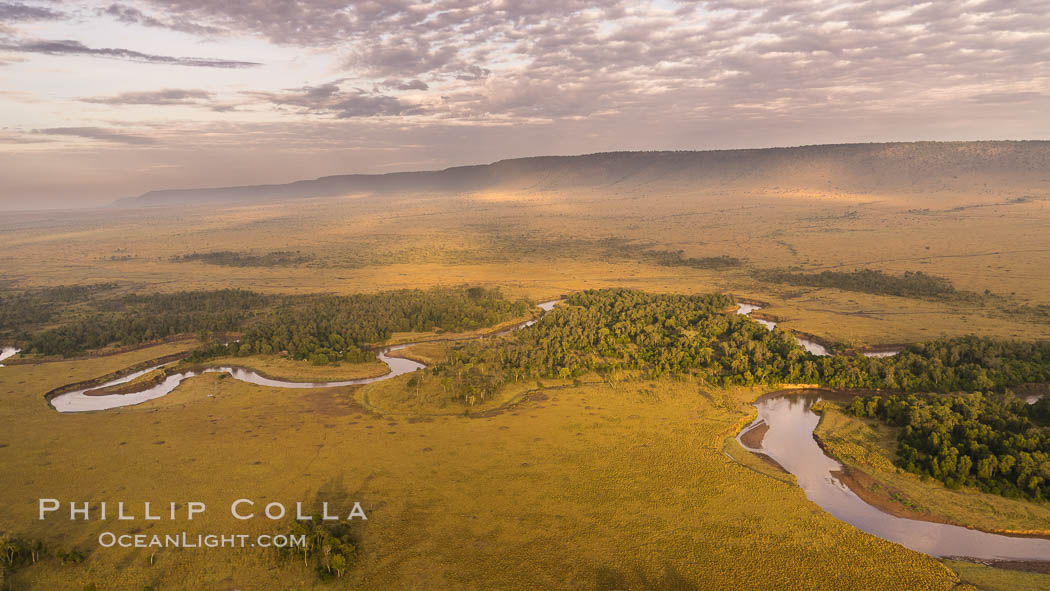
point(811, 346)
point(7, 352)
point(789, 440)
point(81, 401)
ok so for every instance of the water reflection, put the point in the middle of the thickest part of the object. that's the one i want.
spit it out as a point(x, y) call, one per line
point(811, 346)
point(81, 401)
point(7, 353)
point(789, 440)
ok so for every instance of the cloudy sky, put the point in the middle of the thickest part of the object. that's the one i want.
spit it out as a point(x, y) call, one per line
point(100, 100)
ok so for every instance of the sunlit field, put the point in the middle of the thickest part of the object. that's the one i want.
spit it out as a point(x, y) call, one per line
point(620, 480)
point(599, 486)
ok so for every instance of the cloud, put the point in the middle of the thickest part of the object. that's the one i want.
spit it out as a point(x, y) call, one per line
point(471, 80)
point(132, 15)
point(97, 133)
point(572, 58)
point(168, 96)
point(10, 12)
point(21, 138)
point(1010, 97)
point(415, 84)
point(65, 47)
point(318, 23)
point(330, 99)
point(401, 56)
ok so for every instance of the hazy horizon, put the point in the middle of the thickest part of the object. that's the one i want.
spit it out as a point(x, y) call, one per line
point(105, 100)
point(66, 206)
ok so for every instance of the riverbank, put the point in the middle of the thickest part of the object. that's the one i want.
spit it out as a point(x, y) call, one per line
point(790, 441)
point(619, 481)
point(118, 391)
point(867, 448)
point(124, 375)
point(147, 380)
point(186, 342)
point(276, 367)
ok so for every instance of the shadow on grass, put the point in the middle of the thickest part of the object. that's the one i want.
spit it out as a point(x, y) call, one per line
point(609, 579)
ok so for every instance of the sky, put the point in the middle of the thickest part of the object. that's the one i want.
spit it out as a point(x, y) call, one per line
point(103, 100)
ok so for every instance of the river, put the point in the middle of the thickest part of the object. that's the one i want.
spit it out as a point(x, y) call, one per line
point(80, 401)
point(811, 346)
point(7, 352)
point(790, 442)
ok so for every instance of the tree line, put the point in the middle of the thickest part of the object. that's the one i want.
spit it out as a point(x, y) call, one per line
point(677, 258)
point(229, 258)
point(319, 327)
point(330, 328)
point(912, 284)
point(134, 319)
point(993, 441)
point(665, 334)
point(17, 552)
point(21, 310)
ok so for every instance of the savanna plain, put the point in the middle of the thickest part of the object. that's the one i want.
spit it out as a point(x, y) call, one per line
point(596, 475)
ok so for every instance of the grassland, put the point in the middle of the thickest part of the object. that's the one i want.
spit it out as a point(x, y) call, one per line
point(869, 447)
point(283, 368)
point(597, 486)
point(988, 578)
point(544, 243)
point(611, 485)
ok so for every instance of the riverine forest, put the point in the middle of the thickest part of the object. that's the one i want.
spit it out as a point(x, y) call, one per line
point(484, 295)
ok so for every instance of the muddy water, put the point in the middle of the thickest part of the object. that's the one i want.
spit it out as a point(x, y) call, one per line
point(789, 440)
point(80, 401)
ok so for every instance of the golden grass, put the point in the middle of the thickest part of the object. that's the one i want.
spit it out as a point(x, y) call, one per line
point(428, 353)
point(284, 368)
point(987, 578)
point(595, 487)
point(619, 485)
point(400, 338)
point(544, 245)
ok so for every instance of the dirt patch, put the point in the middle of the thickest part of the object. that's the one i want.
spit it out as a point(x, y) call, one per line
point(884, 498)
point(876, 349)
point(775, 464)
point(753, 437)
point(131, 387)
point(1026, 390)
point(488, 414)
point(406, 354)
point(829, 345)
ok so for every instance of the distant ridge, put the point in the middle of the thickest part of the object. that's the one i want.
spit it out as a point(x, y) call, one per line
point(853, 168)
